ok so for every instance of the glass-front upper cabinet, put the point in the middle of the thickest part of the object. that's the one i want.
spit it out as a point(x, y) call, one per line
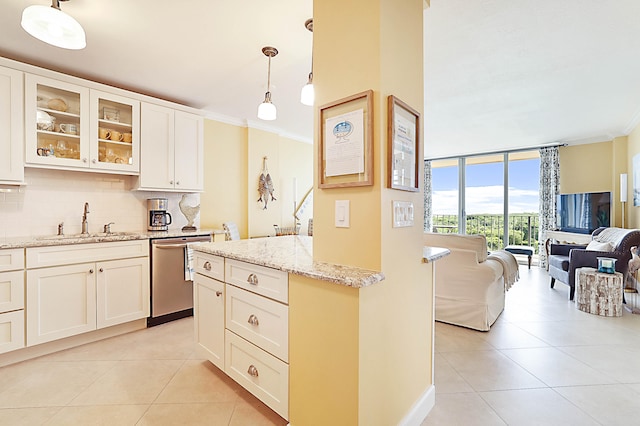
point(56, 122)
point(73, 127)
point(115, 132)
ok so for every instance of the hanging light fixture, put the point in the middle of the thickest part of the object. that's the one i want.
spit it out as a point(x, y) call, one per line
point(307, 94)
point(267, 110)
point(53, 26)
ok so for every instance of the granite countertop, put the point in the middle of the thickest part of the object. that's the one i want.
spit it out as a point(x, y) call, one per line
point(96, 237)
point(291, 254)
point(431, 254)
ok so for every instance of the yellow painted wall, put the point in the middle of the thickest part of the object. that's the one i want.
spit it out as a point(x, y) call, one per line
point(586, 168)
point(384, 41)
point(225, 176)
point(286, 159)
point(323, 353)
point(597, 167)
point(233, 162)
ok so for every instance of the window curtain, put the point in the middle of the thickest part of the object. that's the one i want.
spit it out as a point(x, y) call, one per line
point(427, 196)
point(549, 190)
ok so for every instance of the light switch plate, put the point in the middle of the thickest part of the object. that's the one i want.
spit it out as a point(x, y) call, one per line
point(402, 214)
point(342, 213)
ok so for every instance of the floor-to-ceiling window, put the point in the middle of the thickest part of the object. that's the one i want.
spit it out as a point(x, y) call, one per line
point(484, 198)
point(494, 195)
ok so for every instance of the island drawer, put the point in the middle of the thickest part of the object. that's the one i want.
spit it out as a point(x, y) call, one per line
point(209, 265)
point(259, 372)
point(261, 321)
point(11, 291)
point(11, 259)
point(267, 282)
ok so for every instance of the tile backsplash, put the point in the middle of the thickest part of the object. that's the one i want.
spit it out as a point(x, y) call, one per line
point(54, 196)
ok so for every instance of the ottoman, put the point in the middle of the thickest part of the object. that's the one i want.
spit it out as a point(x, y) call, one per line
point(525, 250)
point(599, 293)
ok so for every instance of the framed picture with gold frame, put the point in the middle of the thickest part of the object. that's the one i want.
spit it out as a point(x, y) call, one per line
point(346, 142)
point(403, 145)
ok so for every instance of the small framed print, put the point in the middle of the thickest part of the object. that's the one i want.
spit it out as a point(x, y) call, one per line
point(346, 142)
point(110, 114)
point(403, 151)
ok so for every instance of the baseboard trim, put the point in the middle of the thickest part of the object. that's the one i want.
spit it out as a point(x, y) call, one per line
point(31, 352)
point(421, 409)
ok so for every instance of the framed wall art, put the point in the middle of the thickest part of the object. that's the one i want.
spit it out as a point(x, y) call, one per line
point(403, 150)
point(346, 142)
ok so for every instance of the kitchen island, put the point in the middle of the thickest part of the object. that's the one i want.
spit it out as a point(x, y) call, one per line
point(288, 328)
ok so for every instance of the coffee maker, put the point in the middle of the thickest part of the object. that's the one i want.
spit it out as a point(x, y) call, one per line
point(159, 219)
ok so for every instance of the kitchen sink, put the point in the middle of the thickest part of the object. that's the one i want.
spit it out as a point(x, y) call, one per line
point(86, 236)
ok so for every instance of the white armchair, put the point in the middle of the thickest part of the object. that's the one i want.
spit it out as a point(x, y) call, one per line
point(470, 289)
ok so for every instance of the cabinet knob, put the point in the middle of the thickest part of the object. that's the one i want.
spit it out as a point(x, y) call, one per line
point(84, 160)
point(177, 182)
point(101, 270)
point(218, 293)
point(207, 265)
point(170, 182)
point(91, 271)
point(253, 371)
point(94, 161)
point(253, 320)
point(252, 279)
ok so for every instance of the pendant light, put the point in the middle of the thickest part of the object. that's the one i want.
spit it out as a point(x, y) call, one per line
point(53, 26)
point(307, 94)
point(267, 110)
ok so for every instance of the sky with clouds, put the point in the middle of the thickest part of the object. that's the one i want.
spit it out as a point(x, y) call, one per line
point(484, 192)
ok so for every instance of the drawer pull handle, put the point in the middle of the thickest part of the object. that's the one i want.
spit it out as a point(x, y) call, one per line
point(252, 279)
point(253, 371)
point(253, 320)
point(207, 265)
point(218, 293)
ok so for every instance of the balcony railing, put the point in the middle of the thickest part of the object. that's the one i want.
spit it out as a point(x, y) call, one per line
point(523, 228)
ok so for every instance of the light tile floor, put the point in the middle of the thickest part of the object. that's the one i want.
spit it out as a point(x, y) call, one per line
point(149, 377)
point(542, 363)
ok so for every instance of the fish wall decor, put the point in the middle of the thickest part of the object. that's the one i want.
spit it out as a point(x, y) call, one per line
point(265, 185)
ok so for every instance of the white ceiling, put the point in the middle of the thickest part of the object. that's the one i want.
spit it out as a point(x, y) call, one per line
point(518, 73)
point(499, 74)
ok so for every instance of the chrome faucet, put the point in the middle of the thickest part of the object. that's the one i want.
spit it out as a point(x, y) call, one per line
point(85, 224)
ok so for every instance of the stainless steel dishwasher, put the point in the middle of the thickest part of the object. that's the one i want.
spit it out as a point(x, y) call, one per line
point(171, 293)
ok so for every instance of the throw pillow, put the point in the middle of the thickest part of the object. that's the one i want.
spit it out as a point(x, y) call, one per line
point(598, 246)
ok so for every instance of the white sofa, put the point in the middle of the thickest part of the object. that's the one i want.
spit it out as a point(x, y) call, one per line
point(470, 288)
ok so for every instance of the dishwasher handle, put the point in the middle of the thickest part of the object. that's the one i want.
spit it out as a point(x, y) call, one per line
point(169, 246)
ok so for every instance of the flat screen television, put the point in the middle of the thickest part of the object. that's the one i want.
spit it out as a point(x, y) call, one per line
point(583, 213)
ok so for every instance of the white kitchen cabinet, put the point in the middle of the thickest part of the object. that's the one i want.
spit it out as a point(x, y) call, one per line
point(171, 149)
point(73, 141)
point(122, 291)
point(72, 289)
point(208, 312)
point(242, 325)
point(50, 104)
point(115, 132)
point(11, 299)
point(11, 331)
point(61, 302)
point(11, 127)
